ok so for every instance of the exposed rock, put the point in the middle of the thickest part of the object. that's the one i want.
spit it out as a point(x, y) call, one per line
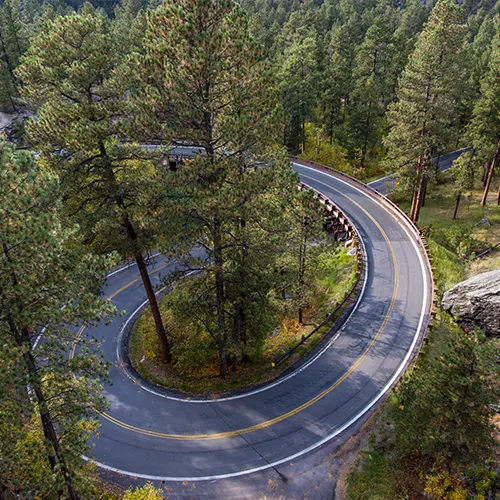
point(476, 302)
point(12, 124)
point(483, 222)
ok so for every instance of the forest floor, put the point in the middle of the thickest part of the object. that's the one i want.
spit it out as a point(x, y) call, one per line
point(201, 375)
point(454, 245)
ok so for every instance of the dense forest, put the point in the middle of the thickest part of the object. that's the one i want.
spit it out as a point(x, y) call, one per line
point(369, 87)
point(360, 88)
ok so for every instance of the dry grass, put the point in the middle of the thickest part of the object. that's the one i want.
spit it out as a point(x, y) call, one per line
point(206, 380)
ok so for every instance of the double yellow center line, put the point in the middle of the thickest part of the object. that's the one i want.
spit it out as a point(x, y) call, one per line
point(298, 409)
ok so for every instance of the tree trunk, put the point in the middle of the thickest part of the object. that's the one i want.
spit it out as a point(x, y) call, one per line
point(420, 196)
point(54, 457)
point(486, 169)
point(489, 177)
point(139, 259)
point(219, 296)
point(498, 194)
point(418, 192)
point(459, 195)
point(302, 269)
point(413, 203)
point(424, 191)
point(366, 135)
point(148, 286)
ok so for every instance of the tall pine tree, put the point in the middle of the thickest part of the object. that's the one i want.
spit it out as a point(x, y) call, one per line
point(206, 82)
point(47, 283)
point(72, 74)
point(428, 96)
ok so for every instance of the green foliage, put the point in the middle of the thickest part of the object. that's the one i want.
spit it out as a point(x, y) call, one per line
point(210, 86)
point(461, 241)
point(147, 492)
point(447, 408)
point(48, 281)
point(464, 171)
point(82, 121)
point(321, 150)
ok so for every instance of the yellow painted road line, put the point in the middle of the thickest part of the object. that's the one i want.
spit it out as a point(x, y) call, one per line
point(307, 404)
point(114, 294)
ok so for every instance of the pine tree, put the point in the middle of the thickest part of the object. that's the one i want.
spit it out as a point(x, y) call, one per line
point(374, 74)
point(234, 209)
point(481, 50)
point(210, 87)
point(484, 128)
point(49, 282)
point(421, 120)
point(448, 407)
point(129, 26)
point(307, 230)
point(73, 74)
point(346, 35)
point(299, 80)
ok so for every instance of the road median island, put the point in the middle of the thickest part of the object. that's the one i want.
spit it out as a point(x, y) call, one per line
point(194, 371)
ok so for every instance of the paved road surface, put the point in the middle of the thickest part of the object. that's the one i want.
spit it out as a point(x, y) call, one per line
point(443, 162)
point(154, 435)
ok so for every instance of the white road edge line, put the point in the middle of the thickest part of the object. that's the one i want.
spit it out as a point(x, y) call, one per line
point(319, 443)
point(119, 270)
point(243, 394)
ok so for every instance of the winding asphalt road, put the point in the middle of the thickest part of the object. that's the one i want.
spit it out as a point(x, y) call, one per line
point(155, 435)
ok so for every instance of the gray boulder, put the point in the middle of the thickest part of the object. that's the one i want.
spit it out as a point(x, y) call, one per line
point(476, 302)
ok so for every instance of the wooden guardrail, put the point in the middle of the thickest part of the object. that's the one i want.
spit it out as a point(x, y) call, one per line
point(399, 214)
point(347, 233)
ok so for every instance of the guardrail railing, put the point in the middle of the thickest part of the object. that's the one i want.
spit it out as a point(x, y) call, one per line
point(397, 212)
point(349, 235)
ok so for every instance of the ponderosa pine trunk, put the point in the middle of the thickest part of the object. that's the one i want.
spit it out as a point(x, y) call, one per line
point(22, 339)
point(413, 203)
point(486, 169)
point(417, 192)
point(139, 259)
point(148, 286)
point(424, 192)
point(55, 458)
point(459, 196)
point(219, 295)
point(489, 177)
point(239, 326)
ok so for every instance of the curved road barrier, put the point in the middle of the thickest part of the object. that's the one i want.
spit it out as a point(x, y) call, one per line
point(161, 436)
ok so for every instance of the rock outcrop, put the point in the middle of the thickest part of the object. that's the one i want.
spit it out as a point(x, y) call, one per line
point(476, 302)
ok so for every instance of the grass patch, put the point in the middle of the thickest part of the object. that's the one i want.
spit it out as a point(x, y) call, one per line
point(372, 477)
point(194, 368)
point(454, 244)
point(380, 473)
